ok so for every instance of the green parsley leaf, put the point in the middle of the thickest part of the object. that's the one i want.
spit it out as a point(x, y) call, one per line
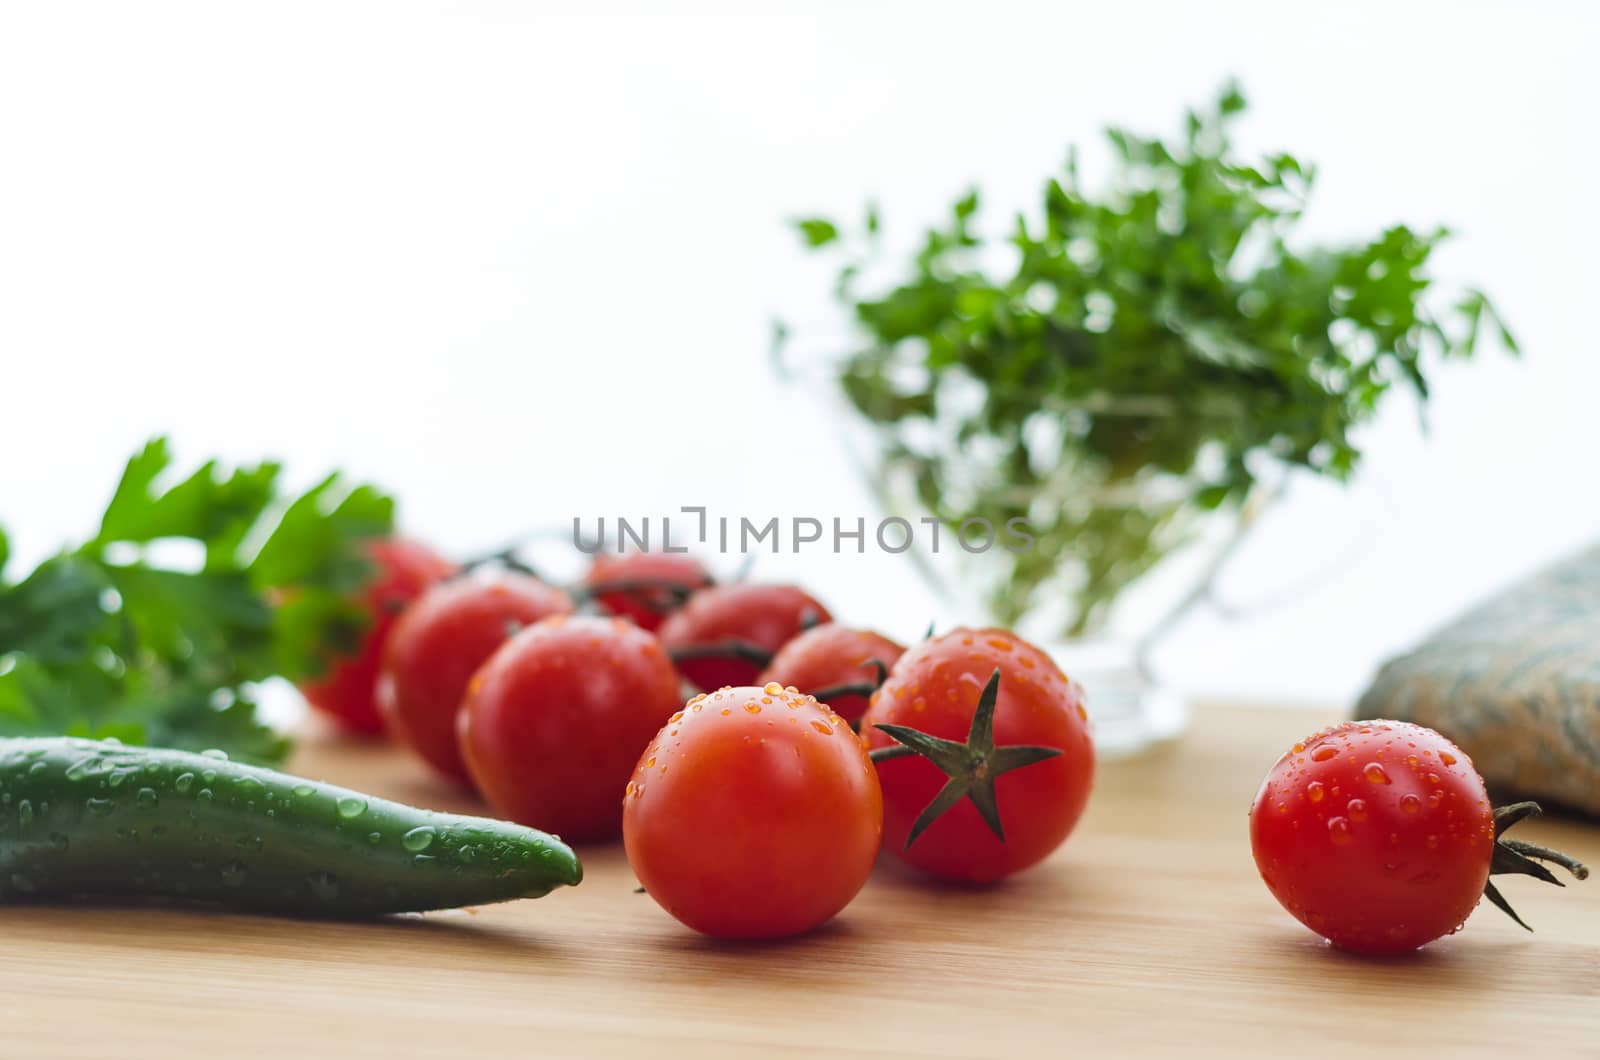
point(816, 231)
point(107, 640)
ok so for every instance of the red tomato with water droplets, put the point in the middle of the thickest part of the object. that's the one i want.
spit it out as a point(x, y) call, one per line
point(650, 585)
point(552, 724)
point(1377, 835)
point(725, 635)
point(348, 691)
point(832, 656)
point(935, 688)
point(437, 645)
point(753, 814)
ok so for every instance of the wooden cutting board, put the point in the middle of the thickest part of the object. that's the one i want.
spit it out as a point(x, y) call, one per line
point(1149, 933)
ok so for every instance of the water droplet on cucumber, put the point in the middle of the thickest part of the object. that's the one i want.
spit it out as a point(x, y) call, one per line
point(418, 839)
point(351, 807)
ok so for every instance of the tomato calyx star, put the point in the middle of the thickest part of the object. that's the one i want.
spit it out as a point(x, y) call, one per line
point(742, 650)
point(661, 596)
point(855, 688)
point(1513, 856)
point(972, 766)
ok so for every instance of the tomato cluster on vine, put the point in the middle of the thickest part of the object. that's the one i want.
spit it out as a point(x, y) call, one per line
point(968, 757)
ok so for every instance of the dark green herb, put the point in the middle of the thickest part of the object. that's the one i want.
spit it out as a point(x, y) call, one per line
point(1124, 360)
point(109, 639)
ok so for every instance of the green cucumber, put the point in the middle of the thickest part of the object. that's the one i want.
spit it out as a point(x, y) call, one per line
point(93, 819)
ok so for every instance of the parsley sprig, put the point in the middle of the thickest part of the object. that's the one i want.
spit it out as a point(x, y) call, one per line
point(1126, 358)
point(111, 639)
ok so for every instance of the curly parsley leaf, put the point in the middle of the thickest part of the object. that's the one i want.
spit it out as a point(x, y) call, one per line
point(1117, 362)
point(117, 638)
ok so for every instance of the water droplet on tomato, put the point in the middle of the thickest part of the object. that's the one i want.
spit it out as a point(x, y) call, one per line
point(1339, 831)
point(1357, 809)
point(1322, 754)
point(1447, 758)
point(1410, 803)
point(1314, 791)
point(1375, 773)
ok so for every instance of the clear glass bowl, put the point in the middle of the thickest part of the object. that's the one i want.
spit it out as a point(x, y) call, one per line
point(1130, 706)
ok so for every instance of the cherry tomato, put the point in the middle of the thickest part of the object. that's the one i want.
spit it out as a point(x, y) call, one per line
point(835, 659)
point(754, 813)
point(437, 645)
point(936, 688)
point(726, 634)
point(649, 585)
point(552, 724)
point(347, 692)
point(1377, 835)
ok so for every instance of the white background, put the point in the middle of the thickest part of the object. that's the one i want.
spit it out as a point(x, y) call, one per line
point(517, 263)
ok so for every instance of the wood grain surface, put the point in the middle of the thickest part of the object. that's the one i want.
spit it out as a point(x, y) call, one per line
point(1149, 933)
